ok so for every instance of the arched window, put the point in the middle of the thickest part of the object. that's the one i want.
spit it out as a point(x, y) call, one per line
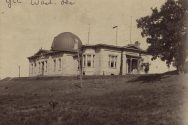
point(59, 63)
point(54, 65)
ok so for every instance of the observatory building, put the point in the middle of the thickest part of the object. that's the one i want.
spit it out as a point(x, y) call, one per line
point(100, 59)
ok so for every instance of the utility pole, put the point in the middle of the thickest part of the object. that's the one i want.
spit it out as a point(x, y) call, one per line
point(19, 71)
point(131, 31)
point(88, 33)
point(80, 68)
point(116, 27)
point(79, 61)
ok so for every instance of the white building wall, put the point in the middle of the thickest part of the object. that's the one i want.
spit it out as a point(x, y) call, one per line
point(92, 70)
point(98, 60)
point(101, 61)
point(104, 57)
point(53, 68)
point(125, 65)
point(69, 66)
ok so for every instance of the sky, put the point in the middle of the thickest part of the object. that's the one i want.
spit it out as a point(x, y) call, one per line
point(25, 28)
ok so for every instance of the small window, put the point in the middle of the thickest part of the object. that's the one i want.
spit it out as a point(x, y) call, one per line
point(39, 67)
point(109, 62)
point(59, 64)
point(35, 66)
point(93, 60)
point(112, 63)
point(46, 66)
point(54, 65)
point(31, 68)
point(88, 60)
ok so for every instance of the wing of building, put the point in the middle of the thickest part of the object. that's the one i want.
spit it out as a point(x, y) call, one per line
point(100, 59)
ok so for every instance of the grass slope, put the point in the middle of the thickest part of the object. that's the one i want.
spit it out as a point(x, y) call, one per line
point(123, 100)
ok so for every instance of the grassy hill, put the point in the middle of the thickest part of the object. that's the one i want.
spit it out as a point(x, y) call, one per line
point(117, 100)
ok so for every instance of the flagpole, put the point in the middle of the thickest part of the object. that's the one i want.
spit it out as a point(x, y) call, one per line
point(80, 68)
point(88, 33)
point(116, 27)
point(116, 35)
point(131, 31)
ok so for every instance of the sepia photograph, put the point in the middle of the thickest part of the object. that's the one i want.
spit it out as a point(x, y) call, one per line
point(93, 62)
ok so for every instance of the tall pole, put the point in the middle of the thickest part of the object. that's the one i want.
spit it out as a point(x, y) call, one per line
point(80, 68)
point(79, 61)
point(116, 35)
point(19, 71)
point(88, 33)
point(116, 27)
point(131, 31)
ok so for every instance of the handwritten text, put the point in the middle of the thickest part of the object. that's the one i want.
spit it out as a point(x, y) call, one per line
point(10, 3)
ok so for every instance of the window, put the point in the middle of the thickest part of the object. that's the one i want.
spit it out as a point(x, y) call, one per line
point(88, 60)
point(112, 63)
point(39, 67)
point(54, 65)
point(46, 66)
point(35, 66)
point(31, 68)
point(59, 63)
point(93, 60)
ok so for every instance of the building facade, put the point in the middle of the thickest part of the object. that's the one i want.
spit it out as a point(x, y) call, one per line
point(100, 59)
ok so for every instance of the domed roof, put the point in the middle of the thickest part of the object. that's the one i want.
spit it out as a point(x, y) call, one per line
point(65, 42)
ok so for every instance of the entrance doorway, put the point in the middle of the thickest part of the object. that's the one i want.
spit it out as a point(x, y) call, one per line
point(132, 65)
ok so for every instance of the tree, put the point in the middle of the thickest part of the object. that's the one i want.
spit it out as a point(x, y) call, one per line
point(166, 32)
